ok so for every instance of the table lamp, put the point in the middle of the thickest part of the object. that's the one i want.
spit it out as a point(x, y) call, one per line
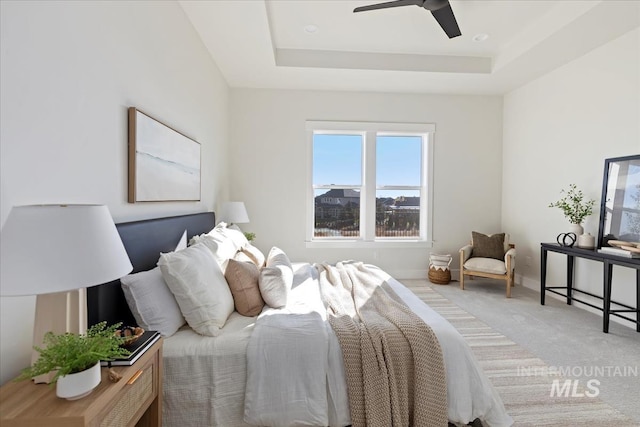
point(234, 213)
point(55, 252)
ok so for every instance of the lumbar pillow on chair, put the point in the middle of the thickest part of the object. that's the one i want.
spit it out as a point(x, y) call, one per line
point(488, 246)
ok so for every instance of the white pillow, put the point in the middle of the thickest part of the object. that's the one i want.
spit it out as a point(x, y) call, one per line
point(223, 243)
point(223, 249)
point(276, 278)
point(234, 233)
point(254, 254)
point(151, 302)
point(196, 280)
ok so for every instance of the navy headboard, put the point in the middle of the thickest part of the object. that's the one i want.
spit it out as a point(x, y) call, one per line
point(143, 240)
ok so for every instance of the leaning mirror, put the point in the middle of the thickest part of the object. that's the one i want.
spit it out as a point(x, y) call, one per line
point(620, 202)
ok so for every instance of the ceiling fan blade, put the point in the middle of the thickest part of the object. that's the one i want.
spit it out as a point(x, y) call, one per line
point(447, 21)
point(389, 4)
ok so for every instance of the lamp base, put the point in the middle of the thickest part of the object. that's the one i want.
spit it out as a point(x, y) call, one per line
point(59, 313)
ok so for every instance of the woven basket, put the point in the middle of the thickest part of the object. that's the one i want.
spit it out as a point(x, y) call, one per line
point(439, 277)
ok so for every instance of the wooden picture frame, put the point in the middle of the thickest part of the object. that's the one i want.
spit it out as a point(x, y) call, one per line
point(164, 164)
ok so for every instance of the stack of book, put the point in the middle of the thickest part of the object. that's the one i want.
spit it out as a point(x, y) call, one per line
point(619, 252)
point(136, 349)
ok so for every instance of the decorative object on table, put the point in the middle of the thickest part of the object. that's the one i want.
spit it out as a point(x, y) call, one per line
point(575, 208)
point(620, 251)
point(135, 350)
point(130, 334)
point(439, 272)
point(622, 248)
point(48, 250)
point(586, 241)
point(566, 239)
point(620, 201)
point(75, 358)
point(114, 377)
point(250, 236)
point(164, 165)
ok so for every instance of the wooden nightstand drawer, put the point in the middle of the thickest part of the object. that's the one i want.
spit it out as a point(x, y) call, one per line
point(125, 403)
point(133, 396)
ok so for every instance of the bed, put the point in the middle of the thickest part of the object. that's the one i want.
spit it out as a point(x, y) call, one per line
point(225, 379)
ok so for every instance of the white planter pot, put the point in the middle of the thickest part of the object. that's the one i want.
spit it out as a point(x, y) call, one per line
point(79, 385)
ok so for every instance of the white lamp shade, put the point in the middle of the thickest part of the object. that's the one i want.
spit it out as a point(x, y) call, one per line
point(234, 213)
point(55, 248)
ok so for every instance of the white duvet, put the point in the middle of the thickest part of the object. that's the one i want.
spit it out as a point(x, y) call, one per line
point(295, 373)
point(206, 378)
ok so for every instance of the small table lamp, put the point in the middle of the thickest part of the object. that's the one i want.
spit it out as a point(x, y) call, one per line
point(49, 250)
point(234, 213)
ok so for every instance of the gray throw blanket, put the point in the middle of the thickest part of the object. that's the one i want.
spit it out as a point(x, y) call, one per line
point(393, 361)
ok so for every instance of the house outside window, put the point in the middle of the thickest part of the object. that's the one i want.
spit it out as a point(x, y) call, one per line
point(369, 184)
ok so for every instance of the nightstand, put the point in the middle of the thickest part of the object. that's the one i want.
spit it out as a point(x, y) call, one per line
point(135, 400)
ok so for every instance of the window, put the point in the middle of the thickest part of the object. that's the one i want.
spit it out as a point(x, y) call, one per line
point(369, 183)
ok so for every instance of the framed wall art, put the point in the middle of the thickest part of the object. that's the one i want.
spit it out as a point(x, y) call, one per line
point(164, 165)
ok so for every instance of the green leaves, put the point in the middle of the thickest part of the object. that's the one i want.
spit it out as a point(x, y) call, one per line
point(573, 205)
point(71, 353)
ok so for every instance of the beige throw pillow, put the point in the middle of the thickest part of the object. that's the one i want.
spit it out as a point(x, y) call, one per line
point(488, 246)
point(243, 282)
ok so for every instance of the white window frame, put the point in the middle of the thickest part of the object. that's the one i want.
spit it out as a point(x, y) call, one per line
point(369, 132)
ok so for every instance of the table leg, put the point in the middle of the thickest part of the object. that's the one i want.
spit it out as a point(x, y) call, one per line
point(543, 274)
point(608, 270)
point(638, 300)
point(569, 278)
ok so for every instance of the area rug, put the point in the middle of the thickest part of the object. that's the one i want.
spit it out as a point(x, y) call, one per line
point(533, 393)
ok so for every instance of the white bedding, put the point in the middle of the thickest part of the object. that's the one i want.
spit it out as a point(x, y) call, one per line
point(205, 377)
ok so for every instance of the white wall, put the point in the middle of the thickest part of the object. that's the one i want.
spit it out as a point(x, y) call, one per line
point(268, 170)
point(558, 130)
point(69, 70)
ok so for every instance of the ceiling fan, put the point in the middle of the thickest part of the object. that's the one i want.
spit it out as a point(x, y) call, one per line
point(440, 9)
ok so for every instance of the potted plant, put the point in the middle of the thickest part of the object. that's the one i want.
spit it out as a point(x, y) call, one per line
point(76, 359)
point(249, 236)
point(574, 207)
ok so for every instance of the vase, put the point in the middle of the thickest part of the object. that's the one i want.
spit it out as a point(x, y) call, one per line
point(78, 385)
point(586, 241)
point(576, 229)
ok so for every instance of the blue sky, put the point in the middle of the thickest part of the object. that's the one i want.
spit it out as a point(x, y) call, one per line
point(337, 160)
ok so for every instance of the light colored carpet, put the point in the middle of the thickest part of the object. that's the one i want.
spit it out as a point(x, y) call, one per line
point(524, 381)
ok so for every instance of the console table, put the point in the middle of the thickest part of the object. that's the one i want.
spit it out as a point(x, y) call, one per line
point(608, 261)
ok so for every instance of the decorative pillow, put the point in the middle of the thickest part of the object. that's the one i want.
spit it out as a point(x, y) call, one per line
point(254, 254)
point(222, 248)
point(222, 241)
point(276, 278)
point(234, 233)
point(243, 282)
point(151, 302)
point(488, 246)
point(196, 280)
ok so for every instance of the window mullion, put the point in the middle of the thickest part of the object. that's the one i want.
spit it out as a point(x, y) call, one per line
point(368, 214)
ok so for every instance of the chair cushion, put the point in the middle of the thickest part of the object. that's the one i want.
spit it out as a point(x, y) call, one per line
point(488, 246)
point(486, 265)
